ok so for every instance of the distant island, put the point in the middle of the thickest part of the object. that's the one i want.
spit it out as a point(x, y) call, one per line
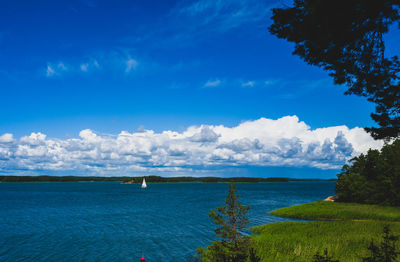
point(158, 179)
point(149, 179)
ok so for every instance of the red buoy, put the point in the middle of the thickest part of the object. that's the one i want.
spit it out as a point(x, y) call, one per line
point(142, 259)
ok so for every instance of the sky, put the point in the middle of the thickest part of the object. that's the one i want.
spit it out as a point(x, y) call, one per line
point(167, 88)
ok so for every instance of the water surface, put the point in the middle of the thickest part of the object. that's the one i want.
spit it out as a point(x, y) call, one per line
point(114, 222)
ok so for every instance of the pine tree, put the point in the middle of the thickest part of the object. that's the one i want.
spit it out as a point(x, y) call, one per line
point(230, 217)
point(231, 220)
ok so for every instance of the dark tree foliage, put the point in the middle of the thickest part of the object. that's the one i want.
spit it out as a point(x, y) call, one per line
point(60, 179)
point(324, 257)
point(345, 38)
point(253, 255)
point(231, 219)
point(158, 179)
point(373, 178)
point(386, 251)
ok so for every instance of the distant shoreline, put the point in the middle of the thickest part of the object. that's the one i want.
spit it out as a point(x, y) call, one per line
point(150, 179)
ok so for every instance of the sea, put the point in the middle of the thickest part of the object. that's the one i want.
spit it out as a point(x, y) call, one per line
point(110, 221)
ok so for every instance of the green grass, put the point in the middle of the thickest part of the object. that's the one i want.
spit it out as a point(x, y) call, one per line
point(322, 210)
point(346, 237)
point(300, 241)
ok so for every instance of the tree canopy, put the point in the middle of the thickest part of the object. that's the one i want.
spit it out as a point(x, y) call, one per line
point(345, 38)
point(373, 178)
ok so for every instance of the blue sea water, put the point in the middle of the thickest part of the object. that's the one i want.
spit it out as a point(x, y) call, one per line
point(114, 222)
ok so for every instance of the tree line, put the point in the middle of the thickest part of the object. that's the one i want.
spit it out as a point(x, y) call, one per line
point(137, 180)
point(372, 178)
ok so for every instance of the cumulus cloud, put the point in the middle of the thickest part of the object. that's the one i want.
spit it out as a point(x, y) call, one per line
point(286, 141)
point(206, 134)
point(6, 138)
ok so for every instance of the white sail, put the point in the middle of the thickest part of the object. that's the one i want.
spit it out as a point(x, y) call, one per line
point(144, 183)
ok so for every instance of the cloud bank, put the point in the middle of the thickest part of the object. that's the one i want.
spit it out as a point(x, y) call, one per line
point(285, 142)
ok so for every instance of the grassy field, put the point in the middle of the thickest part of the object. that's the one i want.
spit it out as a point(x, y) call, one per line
point(322, 210)
point(346, 239)
point(299, 241)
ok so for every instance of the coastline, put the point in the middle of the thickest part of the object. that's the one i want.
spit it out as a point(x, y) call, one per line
point(152, 179)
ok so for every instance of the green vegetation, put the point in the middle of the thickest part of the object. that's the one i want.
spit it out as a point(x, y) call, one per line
point(322, 210)
point(137, 180)
point(231, 219)
point(350, 237)
point(158, 179)
point(324, 257)
point(346, 241)
point(373, 178)
point(243, 179)
point(386, 250)
point(61, 179)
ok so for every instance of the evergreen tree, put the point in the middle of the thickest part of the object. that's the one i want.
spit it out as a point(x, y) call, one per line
point(386, 251)
point(231, 220)
point(231, 217)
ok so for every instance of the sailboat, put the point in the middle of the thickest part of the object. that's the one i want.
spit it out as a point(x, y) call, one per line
point(144, 183)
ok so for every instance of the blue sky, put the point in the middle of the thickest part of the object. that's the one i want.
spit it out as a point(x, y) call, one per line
point(109, 66)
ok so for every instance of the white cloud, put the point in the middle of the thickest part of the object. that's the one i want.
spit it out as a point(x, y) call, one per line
point(85, 67)
point(50, 71)
point(112, 61)
point(131, 64)
point(34, 139)
point(248, 84)
point(212, 83)
point(55, 69)
point(6, 138)
point(263, 142)
point(206, 134)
